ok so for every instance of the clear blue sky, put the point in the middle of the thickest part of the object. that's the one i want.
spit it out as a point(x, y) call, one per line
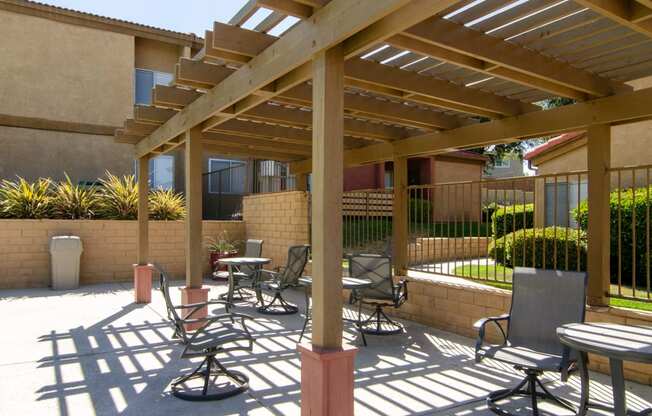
point(188, 16)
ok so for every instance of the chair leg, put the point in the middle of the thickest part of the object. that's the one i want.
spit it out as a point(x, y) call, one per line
point(278, 306)
point(527, 388)
point(381, 324)
point(214, 369)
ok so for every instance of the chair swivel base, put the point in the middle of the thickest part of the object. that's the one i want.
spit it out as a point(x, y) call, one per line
point(239, 382)
point(278, 306)
point(527, 388)
point(379, 323)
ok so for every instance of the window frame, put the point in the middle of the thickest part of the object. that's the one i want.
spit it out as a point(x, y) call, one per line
point(231, 163)
point(154, 83)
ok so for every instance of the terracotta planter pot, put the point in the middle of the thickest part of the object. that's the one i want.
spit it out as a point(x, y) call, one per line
point(214, 257)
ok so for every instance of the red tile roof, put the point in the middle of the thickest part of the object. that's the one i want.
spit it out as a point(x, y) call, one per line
point(554, 143)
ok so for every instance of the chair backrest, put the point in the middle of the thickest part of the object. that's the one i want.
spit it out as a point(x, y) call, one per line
point(296, 263)
point(173, 316)
point(378, 269)
point(543, 300)
point(253, 248)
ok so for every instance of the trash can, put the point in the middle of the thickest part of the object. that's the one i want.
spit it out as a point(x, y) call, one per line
point(65, 251)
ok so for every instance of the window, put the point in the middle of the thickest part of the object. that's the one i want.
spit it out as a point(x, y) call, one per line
point(145, 81)
point(161, 172)
point(226, 176)
point(389, 179)
point(502, 164)
point(566, 199)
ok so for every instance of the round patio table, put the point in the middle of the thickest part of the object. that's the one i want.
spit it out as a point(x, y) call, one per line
point(617, 342)
point(348, 283)
point(236, 262)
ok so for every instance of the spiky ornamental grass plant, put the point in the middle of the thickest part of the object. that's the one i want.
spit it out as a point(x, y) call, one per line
point(70, 201)
point(118, 198)
point(23, 200)
point(166, 205)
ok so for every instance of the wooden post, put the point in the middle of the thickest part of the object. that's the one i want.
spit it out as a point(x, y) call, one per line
point(193, 292)
point(599, 160)
point(301, 182)
point(326, 367)
point(142, 270)
point(400, 216)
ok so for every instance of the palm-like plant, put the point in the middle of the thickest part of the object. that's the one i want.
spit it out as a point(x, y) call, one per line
point(118, 197)
point(166, 205)
point(73, 202)
point(24, 200)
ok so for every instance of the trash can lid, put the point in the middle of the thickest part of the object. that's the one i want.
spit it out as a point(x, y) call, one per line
point(65, 242)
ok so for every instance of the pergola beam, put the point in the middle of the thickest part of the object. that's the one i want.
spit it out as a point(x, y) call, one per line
point(378, 78)
point(362, 21)
point(497, 55)
point(629, 13)
point(616, 109)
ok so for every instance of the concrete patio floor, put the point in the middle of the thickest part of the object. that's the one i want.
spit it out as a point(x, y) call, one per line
point(92, 351)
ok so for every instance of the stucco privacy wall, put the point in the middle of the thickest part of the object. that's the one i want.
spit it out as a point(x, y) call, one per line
point(446, 304)
point(75, 74)
point(40, 153)
point(280, 219)
point(109, 248)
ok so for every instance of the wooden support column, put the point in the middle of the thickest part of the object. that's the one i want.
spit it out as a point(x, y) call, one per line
point(327, 367)
point(301, 182)
point(142, 269)
point(400, 216)
point(599, 160)
point(193, 292)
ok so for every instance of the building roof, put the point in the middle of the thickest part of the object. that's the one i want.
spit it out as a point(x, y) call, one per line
point(465, 154)
point(553, 144)
point(80, 18)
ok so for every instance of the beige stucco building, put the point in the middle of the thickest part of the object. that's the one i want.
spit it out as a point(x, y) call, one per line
point(68, 79)
point(553, 160)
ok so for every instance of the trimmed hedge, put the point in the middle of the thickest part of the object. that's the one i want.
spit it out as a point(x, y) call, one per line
point(526, 248)
point(628, 205)
point(507, 219)
point(420, 209)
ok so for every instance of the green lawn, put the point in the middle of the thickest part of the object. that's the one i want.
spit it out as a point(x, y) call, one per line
point(483, 272)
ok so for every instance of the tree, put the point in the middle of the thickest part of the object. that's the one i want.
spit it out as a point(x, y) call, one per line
point(498, 151)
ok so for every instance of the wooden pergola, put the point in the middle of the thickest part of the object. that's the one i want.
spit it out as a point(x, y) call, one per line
point(356, 82)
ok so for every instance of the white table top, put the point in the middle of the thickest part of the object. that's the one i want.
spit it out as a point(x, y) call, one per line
point(624, 342)
point(239, 261)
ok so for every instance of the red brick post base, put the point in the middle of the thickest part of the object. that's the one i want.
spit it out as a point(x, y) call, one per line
point(143, 283)
point(194, 295)
point(327, 381)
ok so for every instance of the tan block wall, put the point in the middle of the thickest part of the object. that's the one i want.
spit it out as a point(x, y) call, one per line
point(64, 72)
point(455, 307)
point(445, 249)
point(109, 248)
point(280, 219)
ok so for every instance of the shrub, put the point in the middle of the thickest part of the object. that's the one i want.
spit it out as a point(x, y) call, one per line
point(507, 219)
point(496, 250)
point(628, 205)
point(118, 198)
point(166, 205)
point(526, 248)
point(488, 211)
point(420, 209)
point(24, 200)
point(73, 202)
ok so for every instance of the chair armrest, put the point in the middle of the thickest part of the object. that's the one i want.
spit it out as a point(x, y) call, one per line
point(271, 275)
point(481, 327)
point(208, 321)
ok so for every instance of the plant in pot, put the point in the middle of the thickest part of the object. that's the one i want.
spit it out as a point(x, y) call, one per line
point(221, 247)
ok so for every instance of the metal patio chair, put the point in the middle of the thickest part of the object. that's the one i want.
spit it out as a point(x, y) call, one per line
point(542, 301)
point(218, 334)
point(281, 279)
point(383, 293)
point(245, 275)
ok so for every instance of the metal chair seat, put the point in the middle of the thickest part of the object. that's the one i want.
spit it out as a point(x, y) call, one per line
point(522, 357)
point(217, 336)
